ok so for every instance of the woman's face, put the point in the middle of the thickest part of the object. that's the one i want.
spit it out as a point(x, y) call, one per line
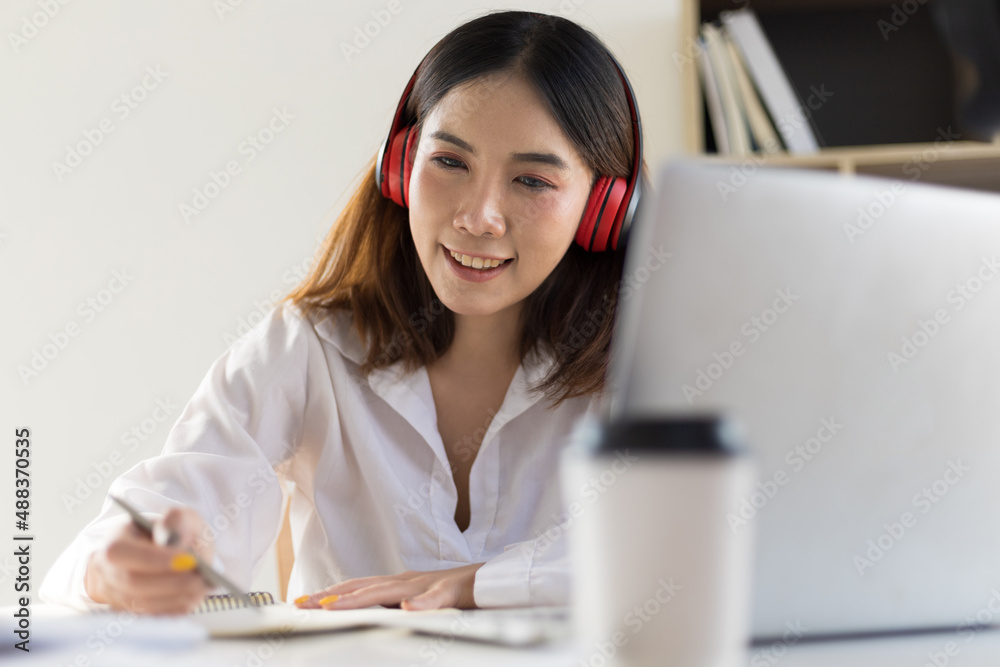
point(493, 176)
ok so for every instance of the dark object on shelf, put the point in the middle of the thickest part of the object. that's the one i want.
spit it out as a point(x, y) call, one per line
point(972, 29)
point(883, 79)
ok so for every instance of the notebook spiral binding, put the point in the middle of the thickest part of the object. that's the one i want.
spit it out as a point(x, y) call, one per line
point(226, 601)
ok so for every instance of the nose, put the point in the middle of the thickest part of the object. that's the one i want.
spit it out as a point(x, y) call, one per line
point(481, 211)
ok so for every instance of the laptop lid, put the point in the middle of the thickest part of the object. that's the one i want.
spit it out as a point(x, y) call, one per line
point(851, 325)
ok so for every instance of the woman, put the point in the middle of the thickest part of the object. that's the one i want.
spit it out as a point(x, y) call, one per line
point(416, 397)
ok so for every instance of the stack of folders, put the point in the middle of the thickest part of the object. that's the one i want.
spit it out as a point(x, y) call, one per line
point(751, 104)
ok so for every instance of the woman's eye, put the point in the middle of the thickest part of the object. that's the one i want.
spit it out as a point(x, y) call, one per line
point(527, 181)
point(535, 184)
point(446, 162)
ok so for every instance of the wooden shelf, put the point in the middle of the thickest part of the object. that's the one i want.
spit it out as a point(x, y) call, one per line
point(959, 164)
point(713, 7)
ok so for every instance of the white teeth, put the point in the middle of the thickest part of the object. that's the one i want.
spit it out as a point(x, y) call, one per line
point(476, 262)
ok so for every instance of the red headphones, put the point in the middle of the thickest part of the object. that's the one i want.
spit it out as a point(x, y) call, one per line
point(610, 209)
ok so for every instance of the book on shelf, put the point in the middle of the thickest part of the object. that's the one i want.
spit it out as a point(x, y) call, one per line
point(753, 96)
point(821, 77)
point(713, 102)
point(762, 131)
point(735, 125)
point(786, 110)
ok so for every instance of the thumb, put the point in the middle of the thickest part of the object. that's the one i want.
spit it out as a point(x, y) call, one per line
point(434, 598)
point(182, 528)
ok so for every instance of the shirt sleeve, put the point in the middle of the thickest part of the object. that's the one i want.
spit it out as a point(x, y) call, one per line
point(537, 572)
point(531, 573)
point(244, 419)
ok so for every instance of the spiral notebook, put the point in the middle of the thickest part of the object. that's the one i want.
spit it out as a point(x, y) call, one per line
point(227, 601)
point(226, 616)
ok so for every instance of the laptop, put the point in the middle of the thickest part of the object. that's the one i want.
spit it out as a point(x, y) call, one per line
point(851, 327)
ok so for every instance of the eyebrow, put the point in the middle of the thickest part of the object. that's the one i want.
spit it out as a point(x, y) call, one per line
point(540, 158)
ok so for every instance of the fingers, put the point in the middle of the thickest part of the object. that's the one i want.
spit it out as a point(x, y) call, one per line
point(342, 589)
point(186, 526)
point(132, 572)
point(409, 590)
point(385, 593)
point(434, 598)
point(131, 553)
point(144, 592)
point(181, 601)
point(389, 591)
point(180, 591)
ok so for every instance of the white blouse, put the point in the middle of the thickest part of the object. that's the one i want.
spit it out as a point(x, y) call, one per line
point(373, 492)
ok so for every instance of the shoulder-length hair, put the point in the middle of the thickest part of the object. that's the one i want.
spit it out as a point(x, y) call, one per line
point(368, 263)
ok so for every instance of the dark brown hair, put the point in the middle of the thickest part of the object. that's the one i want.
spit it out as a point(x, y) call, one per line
point(369, 265)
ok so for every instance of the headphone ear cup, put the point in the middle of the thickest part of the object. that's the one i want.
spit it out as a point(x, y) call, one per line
point(594, 232)
point(398, 165)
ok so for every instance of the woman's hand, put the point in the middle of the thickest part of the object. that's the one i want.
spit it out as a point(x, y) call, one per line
point(409, 590)
point(134, 573)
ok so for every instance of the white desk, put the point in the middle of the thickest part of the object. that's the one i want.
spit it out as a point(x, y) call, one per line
point(398, 647)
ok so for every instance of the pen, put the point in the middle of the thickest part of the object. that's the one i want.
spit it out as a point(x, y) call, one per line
point(204, 569)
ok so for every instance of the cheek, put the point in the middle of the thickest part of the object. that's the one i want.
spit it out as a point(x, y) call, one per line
point(427, 185)
point(423, 198)
point(556, 219)
point(544, 238)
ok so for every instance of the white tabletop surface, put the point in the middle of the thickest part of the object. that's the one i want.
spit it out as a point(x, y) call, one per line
point(395, 646)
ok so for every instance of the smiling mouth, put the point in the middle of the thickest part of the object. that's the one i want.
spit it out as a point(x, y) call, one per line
point(471, 262)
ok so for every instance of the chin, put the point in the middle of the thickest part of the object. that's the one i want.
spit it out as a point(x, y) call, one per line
point(478, 308)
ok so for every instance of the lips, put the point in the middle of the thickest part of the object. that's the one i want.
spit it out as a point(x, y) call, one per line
point(474, 275)
point(476, 254)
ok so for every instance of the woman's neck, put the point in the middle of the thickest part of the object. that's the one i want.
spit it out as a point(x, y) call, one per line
point(484, 346)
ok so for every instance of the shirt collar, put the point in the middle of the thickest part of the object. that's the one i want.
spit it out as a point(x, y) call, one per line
point(410, 393)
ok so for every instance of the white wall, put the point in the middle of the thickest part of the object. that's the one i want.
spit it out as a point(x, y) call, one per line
point(64, 237)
